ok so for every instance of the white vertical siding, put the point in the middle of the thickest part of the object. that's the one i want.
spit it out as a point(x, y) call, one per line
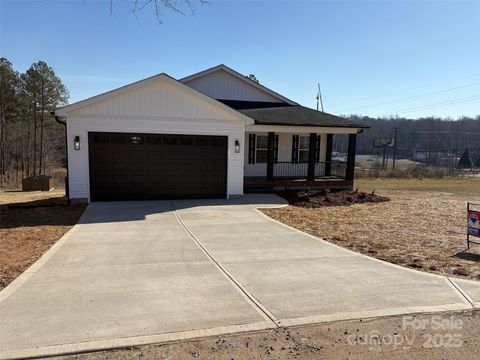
point(284, 154)
point(222, 85)
point(158, 108)
point(159, 98)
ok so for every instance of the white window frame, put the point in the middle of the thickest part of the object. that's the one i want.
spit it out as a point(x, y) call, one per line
point(300, 149)
point(261, 149)
point(257, 148)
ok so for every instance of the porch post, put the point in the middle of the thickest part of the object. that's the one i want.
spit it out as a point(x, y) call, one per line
point(270, 155)
point(312, 147)
point(352, 146)
point(328, 155)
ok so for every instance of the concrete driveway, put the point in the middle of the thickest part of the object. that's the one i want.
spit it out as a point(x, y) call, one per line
point(132, 273)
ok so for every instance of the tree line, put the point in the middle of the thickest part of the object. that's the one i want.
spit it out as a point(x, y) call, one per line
point(428, 135)
point(31, 141)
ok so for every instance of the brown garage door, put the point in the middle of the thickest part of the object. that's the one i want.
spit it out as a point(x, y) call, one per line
point(147, 166)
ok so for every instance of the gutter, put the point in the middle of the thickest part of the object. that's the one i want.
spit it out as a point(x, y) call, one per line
point(64, 123)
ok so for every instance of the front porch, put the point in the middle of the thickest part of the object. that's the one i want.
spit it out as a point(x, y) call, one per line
point(285, 160)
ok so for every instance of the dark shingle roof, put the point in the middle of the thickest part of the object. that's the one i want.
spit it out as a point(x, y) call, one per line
point(242, 105)
point(298, 116)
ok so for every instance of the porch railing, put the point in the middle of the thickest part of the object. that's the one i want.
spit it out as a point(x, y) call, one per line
point(326, 169)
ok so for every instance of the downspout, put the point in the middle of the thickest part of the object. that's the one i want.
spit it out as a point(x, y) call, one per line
point(64, 123)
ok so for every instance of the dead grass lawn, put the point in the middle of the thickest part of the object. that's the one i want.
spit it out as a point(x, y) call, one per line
point(25, 234)
point(365, 339)
point(422, 227)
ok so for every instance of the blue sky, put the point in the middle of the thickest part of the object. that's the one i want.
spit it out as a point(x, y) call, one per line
point(412, 58)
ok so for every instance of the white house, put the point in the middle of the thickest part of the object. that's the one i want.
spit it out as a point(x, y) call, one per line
point(212, 134)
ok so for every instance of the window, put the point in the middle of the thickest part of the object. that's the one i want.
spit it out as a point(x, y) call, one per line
point(100, 139)
point(170, 140)
point(118, 139)
point(261, 149)
point(186, 141)
point(202, 142)
point(303, 147)
point(154, 140)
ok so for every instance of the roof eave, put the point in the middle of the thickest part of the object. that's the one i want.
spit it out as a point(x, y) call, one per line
point(313, 125)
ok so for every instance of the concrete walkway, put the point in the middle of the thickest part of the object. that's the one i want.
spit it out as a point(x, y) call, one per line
point(133, 273)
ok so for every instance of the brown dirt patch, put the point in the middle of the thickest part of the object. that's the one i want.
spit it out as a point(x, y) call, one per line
point(320, 198)
point(358, 339)
point(424, 230)
point(26, 233)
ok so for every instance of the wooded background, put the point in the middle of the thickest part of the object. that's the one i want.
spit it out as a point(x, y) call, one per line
point(424, 134)
point(32, 142)
point(430, 136)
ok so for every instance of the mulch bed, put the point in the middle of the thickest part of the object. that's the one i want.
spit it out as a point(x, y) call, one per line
point(321, 198)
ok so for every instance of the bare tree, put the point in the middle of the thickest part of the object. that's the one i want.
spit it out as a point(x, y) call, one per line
point(159, 6)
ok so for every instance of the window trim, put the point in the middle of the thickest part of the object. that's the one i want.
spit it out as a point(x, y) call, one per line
point(258, 136)
point(300, 149)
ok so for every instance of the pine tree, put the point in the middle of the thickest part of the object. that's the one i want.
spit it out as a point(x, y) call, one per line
point(9, 84)
point(45, 92)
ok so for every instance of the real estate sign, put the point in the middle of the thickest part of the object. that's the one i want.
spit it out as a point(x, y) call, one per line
point(474, 223)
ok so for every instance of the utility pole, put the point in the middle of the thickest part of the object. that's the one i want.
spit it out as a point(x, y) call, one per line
point(394, 147)
point(319, 97)
point(384, 153)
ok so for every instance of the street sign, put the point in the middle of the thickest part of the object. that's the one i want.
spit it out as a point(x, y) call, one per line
point(473, 223)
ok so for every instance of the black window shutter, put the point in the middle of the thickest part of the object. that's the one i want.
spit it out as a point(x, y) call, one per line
point(317, 150)
point(275, 153)
point(251, 148)
point(295, 139)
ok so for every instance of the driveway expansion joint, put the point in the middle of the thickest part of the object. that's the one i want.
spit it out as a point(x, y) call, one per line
point(462, 292)
point(254, 302)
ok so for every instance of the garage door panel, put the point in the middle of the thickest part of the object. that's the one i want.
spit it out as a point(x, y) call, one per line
point(116, 167)
point(119, 180)
point(139, 166)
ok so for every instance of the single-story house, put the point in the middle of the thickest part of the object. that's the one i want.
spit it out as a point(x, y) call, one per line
point(215, 133)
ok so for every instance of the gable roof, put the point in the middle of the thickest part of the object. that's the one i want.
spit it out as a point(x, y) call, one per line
point(298, 116)
point(241, 77)
point(63, 111)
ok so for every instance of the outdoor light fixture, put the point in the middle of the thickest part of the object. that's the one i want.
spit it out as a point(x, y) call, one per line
point(76, 142)
point(237, 145)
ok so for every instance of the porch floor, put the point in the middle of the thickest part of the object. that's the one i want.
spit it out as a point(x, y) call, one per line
point(261, 184)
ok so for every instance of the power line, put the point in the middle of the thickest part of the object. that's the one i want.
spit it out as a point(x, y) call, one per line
point(442, 132)
point(412, 97)
point(439, 150)
point(426, 85)
point(439, 104)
